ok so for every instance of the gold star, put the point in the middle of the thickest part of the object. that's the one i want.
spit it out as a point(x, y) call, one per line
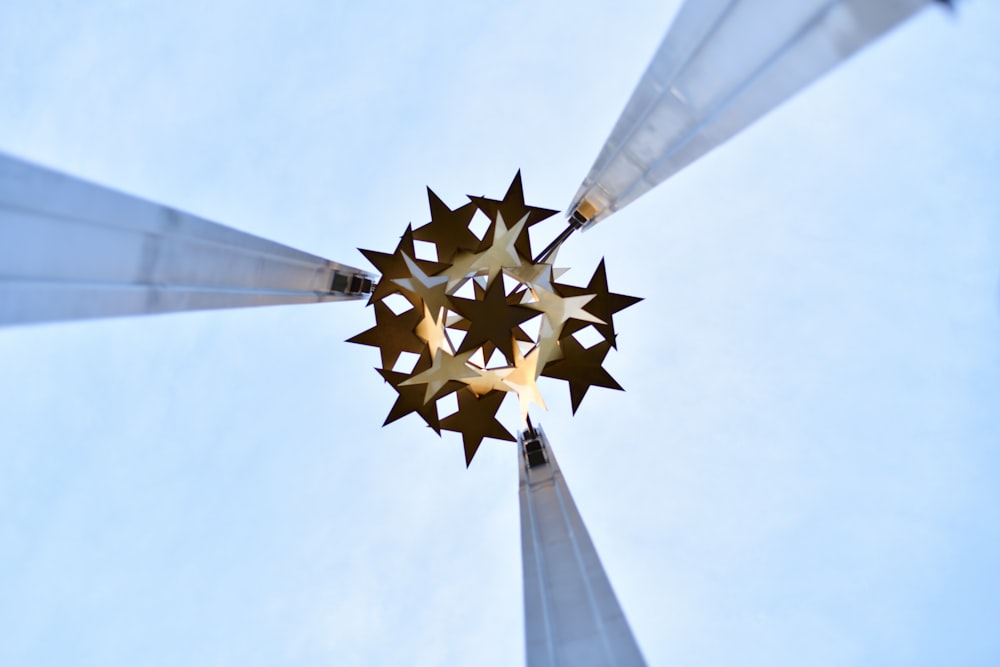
point(493, 258)
point(603, 305)
point(393, 266)
point(392, 334)
point(581, 368)
point(475, 420)
point(432, 331)
point(488, 379)
point(558, 309)
point(433, 290)
point(522, 380)
point(448, 230)
point(410, 399)
point(444, 369)
point(490, 319)
point(512, 207)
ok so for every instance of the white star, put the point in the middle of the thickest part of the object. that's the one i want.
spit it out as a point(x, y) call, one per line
point(491, 261)
point(444, 368)
point(548, 344)
point(432, 289)
point(558, 309)
point(431, 331)
point(488, 379)
point(523, 380)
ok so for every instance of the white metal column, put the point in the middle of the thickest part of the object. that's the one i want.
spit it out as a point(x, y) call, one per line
point(722, 65)
point(70, 249)
point(571, 614)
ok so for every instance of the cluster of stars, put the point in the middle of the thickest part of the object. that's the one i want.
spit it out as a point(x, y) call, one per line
point(518, 325)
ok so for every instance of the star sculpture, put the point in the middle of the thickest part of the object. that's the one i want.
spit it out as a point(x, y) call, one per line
point(531, 322)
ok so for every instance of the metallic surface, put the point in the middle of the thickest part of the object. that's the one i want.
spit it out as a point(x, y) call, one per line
point(571, 614)
point(722, 65)
point(70, 249)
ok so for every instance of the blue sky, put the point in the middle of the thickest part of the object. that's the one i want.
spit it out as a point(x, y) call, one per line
point(803, 467)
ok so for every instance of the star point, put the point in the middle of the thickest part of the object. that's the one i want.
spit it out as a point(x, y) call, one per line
point(523, 380)
point(603, 306)
point(410, 399)
point(392, 265)
point(448, 229)
point(431, 289)
point(476, 420)
point(392, 334)
point(444, 375)
point(512, 207)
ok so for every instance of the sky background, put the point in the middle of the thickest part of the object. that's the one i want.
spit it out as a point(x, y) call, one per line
point(804, 467)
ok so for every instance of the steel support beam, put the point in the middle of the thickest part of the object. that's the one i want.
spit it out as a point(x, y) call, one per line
point(722, 65)
point(571, 614)
point(70, 249)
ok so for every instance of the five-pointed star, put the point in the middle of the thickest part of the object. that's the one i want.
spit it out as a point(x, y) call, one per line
point(522, 380)
point(410, 399)
point(558, 309)
point(433, 290)
point(512, 207)
point(444, 369)
point(431, 330)
point(604, 304)
point(392, 334)
point(490, 319)
point(448, 230)
point(459, 323)
point(581, 368)
point(476, 419)
point(393, 266)
point(491, 261)
point(488, 379)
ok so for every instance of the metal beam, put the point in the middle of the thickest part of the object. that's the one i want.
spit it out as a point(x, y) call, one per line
point(722, 65)
point(571, 614)
point(70, 249)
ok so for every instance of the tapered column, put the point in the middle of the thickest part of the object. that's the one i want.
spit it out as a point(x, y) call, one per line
point(722, 65)
point(571, 614)
point(70, 249)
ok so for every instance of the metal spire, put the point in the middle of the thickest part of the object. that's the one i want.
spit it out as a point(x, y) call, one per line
point(722, 65)
point(571, 614)
point(70, 249)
